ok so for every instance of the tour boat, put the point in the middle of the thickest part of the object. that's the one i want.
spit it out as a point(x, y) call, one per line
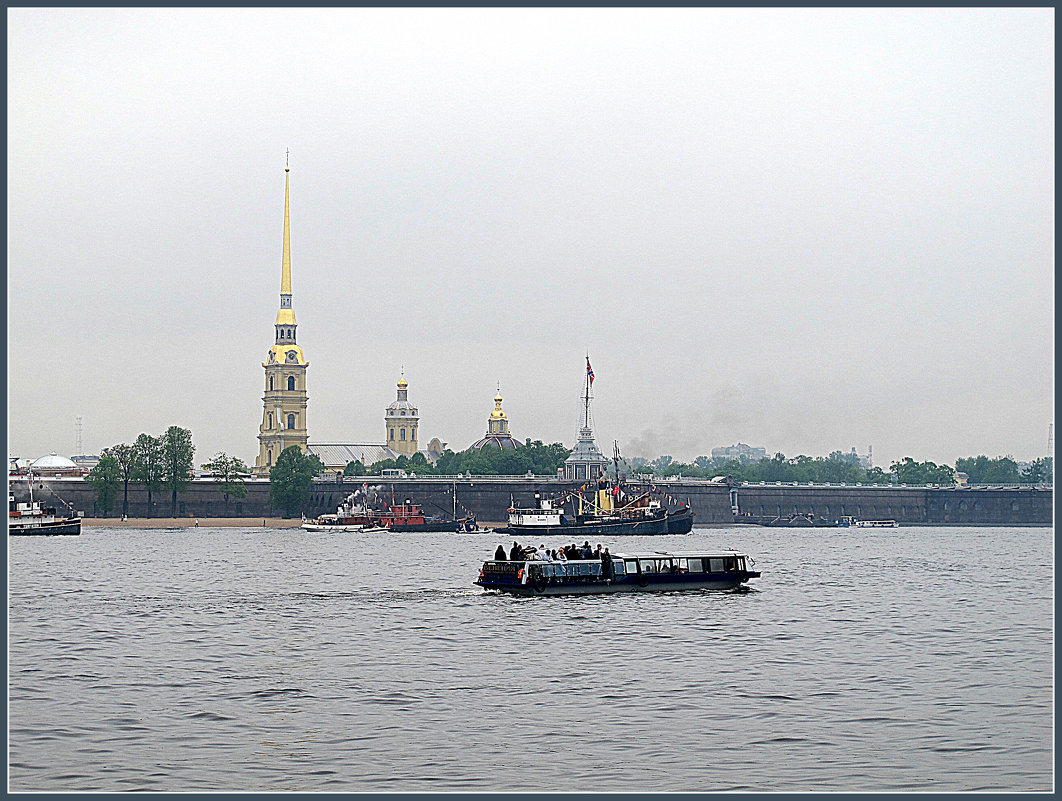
point(649, 571)
point(609, 510)
point(30, 518)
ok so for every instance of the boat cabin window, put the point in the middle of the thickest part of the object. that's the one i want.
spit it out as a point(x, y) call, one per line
point(715, 564)
point(648, 565)
point(617, 568)
point(631, 565)
point(696, 565)
point(731, 563)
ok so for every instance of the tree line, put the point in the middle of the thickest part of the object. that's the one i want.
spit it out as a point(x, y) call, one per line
point(538, 458)
point(158, 464)
point(845, 468)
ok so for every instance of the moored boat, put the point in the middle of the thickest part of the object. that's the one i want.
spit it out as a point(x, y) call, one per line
point(610, 509)
point(31, 518)
point(650, 571)
point(363, 511)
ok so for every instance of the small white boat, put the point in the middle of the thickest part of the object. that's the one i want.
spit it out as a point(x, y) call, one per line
point(876, 524)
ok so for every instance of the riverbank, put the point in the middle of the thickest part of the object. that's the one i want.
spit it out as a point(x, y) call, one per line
point(190, 522)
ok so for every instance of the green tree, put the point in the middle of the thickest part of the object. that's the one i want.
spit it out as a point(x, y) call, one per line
point(355, 468)
point(982, 470)
point(229, 471)
point(291, 479)
point(123, 455)
point(908, 471)
point(149, 466)
point(1040, 471)
point(177, 454)
point(105, 478)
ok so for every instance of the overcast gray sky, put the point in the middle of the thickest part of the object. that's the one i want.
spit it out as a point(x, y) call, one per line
point(799, 229)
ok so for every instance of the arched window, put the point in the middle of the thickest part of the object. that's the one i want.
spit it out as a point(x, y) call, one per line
point(270, 382)
point(402, 434)
point(291, 421)
point(392, 437)
point(270, 420)
point(291, 382)
point(269, 457)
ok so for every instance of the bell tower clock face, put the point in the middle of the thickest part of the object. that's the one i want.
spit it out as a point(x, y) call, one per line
point(293, 356)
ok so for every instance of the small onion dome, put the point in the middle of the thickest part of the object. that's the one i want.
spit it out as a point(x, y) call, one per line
point(498, 413)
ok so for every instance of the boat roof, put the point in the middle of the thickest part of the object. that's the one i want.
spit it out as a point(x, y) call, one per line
point(678, 554)
point(656, 555)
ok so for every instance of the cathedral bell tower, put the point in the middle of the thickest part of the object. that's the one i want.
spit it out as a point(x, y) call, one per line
point(284, 402)
point(401, 421)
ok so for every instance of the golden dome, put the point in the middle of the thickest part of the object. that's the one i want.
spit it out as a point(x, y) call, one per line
point(498, 414)
point(285, 354)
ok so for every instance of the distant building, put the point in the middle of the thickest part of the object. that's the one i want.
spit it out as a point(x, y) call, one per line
point(498, 435)
point(866, 461)
point(86, 461)
point(55, 466)
point(739, 453)
point(400, 427)
point(401, 421)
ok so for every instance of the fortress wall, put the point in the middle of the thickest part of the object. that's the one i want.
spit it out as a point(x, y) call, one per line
point(489, 500)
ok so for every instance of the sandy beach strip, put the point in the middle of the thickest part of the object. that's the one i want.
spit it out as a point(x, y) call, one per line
point(190, 522)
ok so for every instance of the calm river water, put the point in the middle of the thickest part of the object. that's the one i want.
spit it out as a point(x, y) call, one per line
point(273, 660)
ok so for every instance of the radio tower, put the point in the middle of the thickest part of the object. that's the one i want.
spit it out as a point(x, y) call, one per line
point(77, 446)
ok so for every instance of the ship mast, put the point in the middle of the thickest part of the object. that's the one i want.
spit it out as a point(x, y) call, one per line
point(586, 398)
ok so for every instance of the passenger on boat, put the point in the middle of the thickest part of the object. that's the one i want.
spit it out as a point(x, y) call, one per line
point(499, 555)
point(588, 552)
point(516, 554)
point(560, 556)
point(606, 564)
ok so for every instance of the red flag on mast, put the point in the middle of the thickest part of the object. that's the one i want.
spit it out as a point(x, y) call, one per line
point(589, 371)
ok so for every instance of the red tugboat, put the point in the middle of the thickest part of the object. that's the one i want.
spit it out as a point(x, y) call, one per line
point(364, 511)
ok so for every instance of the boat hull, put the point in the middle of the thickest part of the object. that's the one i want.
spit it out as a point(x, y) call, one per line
point(325, 527)
point(680, 522)
point(70, 526)
point(668, 583)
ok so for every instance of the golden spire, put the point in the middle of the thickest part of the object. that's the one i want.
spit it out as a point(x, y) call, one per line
point(285, 275)
point(286, 314)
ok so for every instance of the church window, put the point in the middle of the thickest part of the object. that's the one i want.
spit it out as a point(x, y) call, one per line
point(291, 421)
point(270, 420)
point(291, 382)
point(392, 437)
point(269, 458)
point(270, 382)
point(402, 434)
point(403, 412)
